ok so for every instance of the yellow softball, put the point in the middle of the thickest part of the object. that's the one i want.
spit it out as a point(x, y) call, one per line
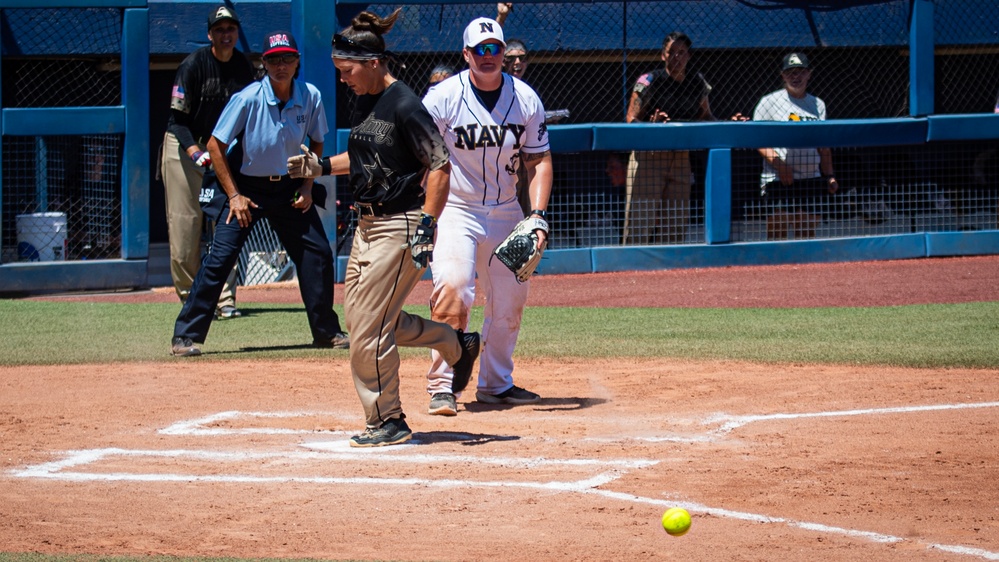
point(676, 521)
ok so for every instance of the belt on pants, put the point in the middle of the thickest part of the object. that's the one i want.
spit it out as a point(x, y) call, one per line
point(384, 209)
point(264, 183)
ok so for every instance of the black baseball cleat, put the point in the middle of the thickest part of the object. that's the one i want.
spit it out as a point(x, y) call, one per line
point(462, 368)
point(184, 347)
point(227, 312)
point(513, 395)
point(443, 404)
point(339, 341)
point(392, 432)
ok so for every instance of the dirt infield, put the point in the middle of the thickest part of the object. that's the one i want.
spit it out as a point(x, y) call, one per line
point(791, 462)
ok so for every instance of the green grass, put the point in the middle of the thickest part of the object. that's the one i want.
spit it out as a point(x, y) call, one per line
point(931, 336)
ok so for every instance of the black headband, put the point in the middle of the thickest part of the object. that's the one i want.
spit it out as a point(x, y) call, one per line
point(347, 48)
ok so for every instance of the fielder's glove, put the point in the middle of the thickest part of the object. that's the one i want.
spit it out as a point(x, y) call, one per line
point(421, 245)
point(519, 252)
point(305, 165)
point(202, 158)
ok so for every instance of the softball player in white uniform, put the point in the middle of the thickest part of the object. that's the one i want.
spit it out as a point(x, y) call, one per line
point(492, 124)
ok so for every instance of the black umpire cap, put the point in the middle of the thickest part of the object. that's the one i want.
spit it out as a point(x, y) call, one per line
point(220, 13)
point(794, 60)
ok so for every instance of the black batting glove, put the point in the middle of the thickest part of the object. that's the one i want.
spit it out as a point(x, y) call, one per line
point(421, 245)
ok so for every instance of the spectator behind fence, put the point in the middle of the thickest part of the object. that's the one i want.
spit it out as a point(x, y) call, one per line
point(515, 64)
point(515, 58)
point(590, 205)
point(795, 181)
point(657, 206)
point(439, 73)
point(204, 82)
point(515, 61)
point(503, 10)
point(266, 123)
point(617, 176)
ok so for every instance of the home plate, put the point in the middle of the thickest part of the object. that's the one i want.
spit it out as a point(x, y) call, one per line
point(343, 446)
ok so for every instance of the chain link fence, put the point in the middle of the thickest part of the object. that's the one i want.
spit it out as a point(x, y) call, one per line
point(62, 194)
point(61, 198)
point(584, 59)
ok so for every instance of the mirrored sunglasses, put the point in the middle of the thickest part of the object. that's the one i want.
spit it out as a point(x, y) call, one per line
point(286, 58)
point(486, 49)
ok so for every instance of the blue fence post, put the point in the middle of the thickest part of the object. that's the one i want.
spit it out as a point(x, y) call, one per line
point(314, 35)
point(921, 58)
point(135, 155)
point(718, 197)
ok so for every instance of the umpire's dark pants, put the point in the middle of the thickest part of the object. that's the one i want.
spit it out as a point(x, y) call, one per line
point(303, 237)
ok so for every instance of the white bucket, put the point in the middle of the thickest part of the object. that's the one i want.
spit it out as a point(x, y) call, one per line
point(42, 237)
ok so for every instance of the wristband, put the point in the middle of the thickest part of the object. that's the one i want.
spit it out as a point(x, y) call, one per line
point(538, 212)
point(327, 166)
point(427, 220)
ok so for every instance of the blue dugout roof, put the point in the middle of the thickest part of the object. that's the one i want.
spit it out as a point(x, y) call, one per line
point(178, 27)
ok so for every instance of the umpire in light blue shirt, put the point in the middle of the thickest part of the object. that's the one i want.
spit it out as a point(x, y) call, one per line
point(261, 127)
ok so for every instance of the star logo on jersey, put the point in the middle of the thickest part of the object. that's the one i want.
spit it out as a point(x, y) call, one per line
point(378, 176)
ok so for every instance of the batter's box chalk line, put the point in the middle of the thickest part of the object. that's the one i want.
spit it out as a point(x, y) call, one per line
point(60, 470)
point(821, 528)
point(206, 426)
point(606, 471)
point(730, 422)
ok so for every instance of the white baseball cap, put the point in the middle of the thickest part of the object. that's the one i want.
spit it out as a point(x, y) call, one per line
point(483, 29)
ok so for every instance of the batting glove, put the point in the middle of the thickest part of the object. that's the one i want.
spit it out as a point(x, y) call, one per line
point(202, 158)
point(421, 245)
point(305, 165)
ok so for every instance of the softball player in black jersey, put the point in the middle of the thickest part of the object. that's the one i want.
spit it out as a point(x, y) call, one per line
point(393, 145)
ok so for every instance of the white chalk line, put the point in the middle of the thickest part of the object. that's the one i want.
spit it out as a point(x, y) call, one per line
point(733, 422)
point(56, 470)
point(805, 525)
point(196, 426)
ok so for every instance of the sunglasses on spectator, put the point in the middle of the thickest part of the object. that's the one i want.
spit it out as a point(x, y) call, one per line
point(511, 58)
point(286, 58)
point(486, 49)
